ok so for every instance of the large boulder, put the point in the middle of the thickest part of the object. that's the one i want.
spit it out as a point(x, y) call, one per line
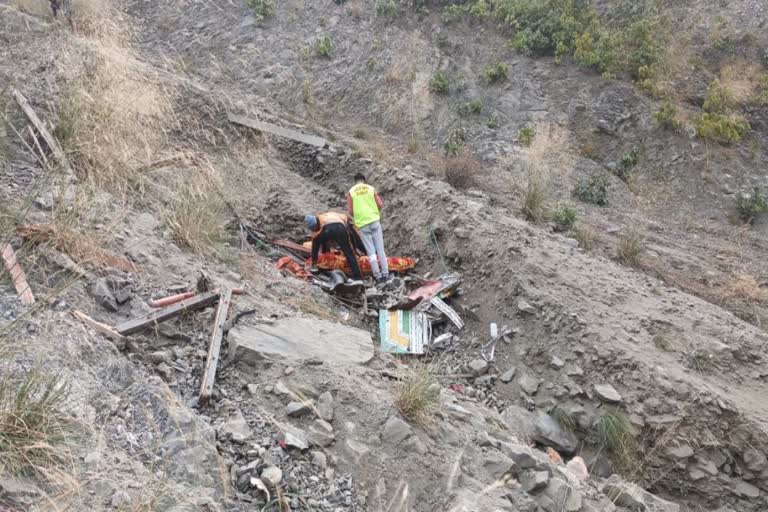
point(547, 431)
point(635, 498)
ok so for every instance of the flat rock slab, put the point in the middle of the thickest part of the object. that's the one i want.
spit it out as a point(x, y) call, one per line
point(302, 338)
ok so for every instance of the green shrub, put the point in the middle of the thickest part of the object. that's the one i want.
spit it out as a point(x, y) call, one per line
point(666, 116)
point(495, 73)
point(323, 47)
point(751, 205)
point(454, 142)
point(387, 8)
point(371, 64)
point(418, 393)
point(492, 122)
point(526, 136)
point(439, 82)
point(614, 434)
point(630, 248)
point(727, 128)
point(593, 190)
point(564, 217)
point(762, 96)
point(719, 99)
point(471, 107)
point(627, 163)
point(535, 197)
point(261, 8)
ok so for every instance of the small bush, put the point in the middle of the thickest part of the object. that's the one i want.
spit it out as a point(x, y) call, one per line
point(371, 64)
point(471, 107)
point(492, 122)
point(534, 199)
point(719, 99)
point(627, 163)
point(323, 47)
point(461, 170)
point(439, 82)
point(593, 190)
point(495, 73)
point(418, 393)
point(387, 8)
point(564, 217)
point(261, 8)
point(666, 116)
point(751, 205)
point(526, 136)
point(629, 250)
point(454, 142)
point(614, 434)
point(726, 128)
point(360, 133)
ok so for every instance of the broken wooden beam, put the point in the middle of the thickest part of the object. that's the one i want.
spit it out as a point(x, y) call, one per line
point(18, 277)
point(156, 317)
point(293, 246)
point(209, 378)
point(50, 140)
point(288, 133)
point(99, 327)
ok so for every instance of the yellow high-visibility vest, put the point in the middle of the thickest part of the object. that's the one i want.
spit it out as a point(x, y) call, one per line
point(364, 206)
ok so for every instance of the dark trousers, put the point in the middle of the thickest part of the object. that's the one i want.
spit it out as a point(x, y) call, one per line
point(338, 233)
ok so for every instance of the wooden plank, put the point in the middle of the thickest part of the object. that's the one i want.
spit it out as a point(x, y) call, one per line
point(293, 246)
point(206, 388)
point(99, 327)
point(288, 133)
point(152, 319)
point(53, 144)
point(17, 275)
point(448, 311)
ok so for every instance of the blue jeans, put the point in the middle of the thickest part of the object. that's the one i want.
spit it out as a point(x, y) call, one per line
point(373, 240)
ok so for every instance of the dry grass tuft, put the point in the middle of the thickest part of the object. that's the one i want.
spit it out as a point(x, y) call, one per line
point(741, 79)
point(197, 218)
point(615, 434)
point(33, 425)
point(585, 235)
point(114, 113)
point(418, 393)
point(746, 287)
point(356, 9)
point(534, 199)
point(630, 248)
point(461, 170)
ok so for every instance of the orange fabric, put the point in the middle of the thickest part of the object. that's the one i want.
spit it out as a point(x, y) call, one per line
point(336, 261)
point(287, 263)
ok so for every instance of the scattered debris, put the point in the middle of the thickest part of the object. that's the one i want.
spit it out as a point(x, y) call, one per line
point(206, 388)
point(404, 332)
point(41, 129)
point(18, 277)
point(168, 301)
point(489, 349)
point(448, 311)
point(152, 319)
point(99, 327)
point(288, 133)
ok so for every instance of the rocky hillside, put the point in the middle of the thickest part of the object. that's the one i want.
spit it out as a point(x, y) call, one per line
point(615, 241)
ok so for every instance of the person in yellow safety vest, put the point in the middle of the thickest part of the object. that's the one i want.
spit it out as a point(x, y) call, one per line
point(332, 227)
point(364, 206)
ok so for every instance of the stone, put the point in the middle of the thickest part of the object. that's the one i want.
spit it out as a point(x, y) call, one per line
point(557, 363)
point(519, 421)
point(18, 488)
point(92, 459)
point(159, 356)
point(524, 307)
point(695, 473)
point(754, 459)
point(121, 500)
point(271, 475)
point(634, 497)
point(319, 459)
point(497, 465)
point(301, 338)
point(236, 426)
point(607, 393)
point(395, 431)
point(415, 444)
point(568, 498)
point(508, 375)
point(354, 450)
point(280, 389)
point(321, 433)
point(577, 468)
point(534, 481)
point(707, 466)
point(253, 389)
point(573, 370)
point(293, 437)
point(528, 384)
point(680, 452)
point(745, 490)
point(103, 295)
point(548, 432)
point(325, 406)
point(478, 366)
point(523, 456)
point(295, 409)
point(523, 502)
point(662, 420)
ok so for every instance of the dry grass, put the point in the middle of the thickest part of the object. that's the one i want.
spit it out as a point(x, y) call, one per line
point(615, 434)
point(629, 250)
point(462, 170)
point(197, 218)
point(741, 79)
point(33, 424)
point(585, 235)
point(418, 393)
point(114, 111)
point(356, 9)
point(534, 199)
point(744, 286)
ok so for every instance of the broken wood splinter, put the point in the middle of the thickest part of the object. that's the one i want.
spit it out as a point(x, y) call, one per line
point(206, 387)
point(17, 275)
point(192, 304)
